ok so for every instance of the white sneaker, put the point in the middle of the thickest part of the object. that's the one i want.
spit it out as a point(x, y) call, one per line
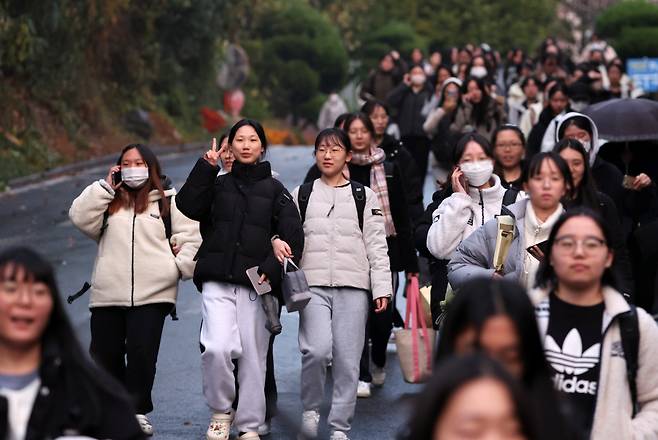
point(363, 389)
point(310, 422)
point(220, 426)
point(338, 435)
point(249, 436)
point(378, 376)
point(145, 424)
point(265, 428)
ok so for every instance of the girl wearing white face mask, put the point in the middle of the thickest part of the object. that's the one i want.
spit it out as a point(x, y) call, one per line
point(477, 196)
point(145, 245)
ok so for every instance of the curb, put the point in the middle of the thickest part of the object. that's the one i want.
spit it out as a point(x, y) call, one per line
point(73, 168)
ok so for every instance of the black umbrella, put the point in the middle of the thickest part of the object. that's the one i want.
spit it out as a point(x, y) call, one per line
point(625, 120)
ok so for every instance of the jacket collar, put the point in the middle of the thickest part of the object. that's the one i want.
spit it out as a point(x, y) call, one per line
point(155, 194)
point(259, 171)
point(493, 192)
point(613, 301)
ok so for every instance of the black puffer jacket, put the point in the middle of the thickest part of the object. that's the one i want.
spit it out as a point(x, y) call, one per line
point(76, 400)
point(239, 213)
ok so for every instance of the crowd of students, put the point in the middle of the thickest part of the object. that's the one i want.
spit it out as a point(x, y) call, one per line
point(557, 335)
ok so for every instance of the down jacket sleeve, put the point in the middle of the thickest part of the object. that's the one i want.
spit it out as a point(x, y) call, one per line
point(287, 225)
point(448, 225)
point(185, 234)
point(88, 209)
point(374, 237)
point(645, 423)
point(195, 197)
point(473, 257)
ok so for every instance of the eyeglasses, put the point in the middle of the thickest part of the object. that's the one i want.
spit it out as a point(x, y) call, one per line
point(568, 245)
point(509, 146)
point(333, 151)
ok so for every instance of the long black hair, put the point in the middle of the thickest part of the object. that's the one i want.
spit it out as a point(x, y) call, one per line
point(482, 299)
point(479, 109)
point(546, 277)
point(585, 193)
point(86, 385)
point(452, 376)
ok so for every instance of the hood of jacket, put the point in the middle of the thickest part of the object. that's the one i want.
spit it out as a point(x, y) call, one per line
point(595, 143)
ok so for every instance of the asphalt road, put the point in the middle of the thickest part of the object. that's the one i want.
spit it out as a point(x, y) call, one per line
point(36, 216)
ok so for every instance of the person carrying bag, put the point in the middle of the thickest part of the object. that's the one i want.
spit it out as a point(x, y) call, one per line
point(414, 343)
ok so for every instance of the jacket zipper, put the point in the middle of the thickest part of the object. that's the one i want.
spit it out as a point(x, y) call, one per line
point(132, 266)
point(482, 205)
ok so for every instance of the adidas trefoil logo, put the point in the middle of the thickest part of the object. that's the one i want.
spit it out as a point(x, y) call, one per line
point(570, 358)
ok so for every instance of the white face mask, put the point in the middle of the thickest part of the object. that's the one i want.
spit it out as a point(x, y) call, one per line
point(478, 71)
point(477, 173)
point(135, 177)
point(418, 79)
point(587, 145)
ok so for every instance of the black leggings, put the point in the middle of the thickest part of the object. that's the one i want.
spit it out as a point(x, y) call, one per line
point(125, 342)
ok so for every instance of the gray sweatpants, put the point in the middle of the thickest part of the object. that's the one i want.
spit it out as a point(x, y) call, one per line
point(332, 328)
point(234, 328)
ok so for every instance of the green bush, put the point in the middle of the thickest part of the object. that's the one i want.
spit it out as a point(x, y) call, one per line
point(612, 22)
point(637, 42)
point(394, 35)
point(297, 55)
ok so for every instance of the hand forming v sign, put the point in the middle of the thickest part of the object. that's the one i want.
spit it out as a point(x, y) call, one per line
point(212, 155)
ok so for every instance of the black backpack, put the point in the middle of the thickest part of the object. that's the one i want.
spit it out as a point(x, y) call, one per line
point(358, 192)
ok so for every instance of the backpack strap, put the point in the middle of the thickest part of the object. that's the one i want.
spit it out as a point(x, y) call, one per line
point(359, 194)
point(166, 219)
point(509, 198)
point(303, 195)
point(629, 328)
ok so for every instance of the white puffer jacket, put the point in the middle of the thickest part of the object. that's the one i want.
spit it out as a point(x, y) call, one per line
point(459, 215)
point(135, 264)
point(336, 252)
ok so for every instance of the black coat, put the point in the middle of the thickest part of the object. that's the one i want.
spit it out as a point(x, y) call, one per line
point(536, 136)
point(409, 106)
point(608, 180)
point(412, 181)
point(438, 268)
point(76, 401)
point(239, 213)
point(401, 250)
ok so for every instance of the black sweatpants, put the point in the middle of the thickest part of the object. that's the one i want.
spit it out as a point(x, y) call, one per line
point(125, 341)
point(378, 330)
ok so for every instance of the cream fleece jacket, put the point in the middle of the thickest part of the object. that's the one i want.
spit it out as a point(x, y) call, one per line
point(135, 264)
point(336, 252)
point(459, 215)
point(612, 415)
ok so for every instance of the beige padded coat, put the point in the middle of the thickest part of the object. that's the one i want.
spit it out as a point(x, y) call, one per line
point(336, 252)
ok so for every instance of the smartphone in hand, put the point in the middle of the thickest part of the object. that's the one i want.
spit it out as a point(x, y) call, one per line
point(538, 250)
point(254, 277)
point(116, 178)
